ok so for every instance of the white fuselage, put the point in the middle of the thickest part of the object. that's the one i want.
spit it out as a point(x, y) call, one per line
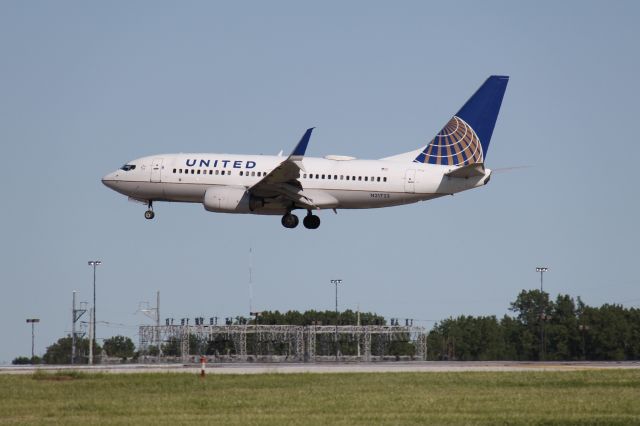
point(337, 182)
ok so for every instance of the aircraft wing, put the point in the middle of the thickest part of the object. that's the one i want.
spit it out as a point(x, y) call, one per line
point(283, 180)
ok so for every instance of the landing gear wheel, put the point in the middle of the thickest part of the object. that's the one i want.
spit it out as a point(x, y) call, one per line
point(311, 221)
point(149, 214)
point(290, 220)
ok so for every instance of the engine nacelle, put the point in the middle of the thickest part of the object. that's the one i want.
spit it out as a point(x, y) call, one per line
point(228, 199)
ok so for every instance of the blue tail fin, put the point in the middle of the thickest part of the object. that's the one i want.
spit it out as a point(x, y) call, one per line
point(465, 138)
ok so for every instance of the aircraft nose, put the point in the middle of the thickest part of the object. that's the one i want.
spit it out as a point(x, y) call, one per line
point(110, 180)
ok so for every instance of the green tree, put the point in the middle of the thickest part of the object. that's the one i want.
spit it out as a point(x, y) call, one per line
point(610, 332)
point(312, 317)
point(21, 360)
point(171, 347)
point(60, 352)
point(119, 346)
point(533, 309)
point(467, 338)
point(512, 330)
point(563, 340)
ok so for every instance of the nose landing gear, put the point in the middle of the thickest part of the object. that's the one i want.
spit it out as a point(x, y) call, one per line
point(149, 214)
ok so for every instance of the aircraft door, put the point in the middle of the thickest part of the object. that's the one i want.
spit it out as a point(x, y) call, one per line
point(156, 170)
point(410, 181)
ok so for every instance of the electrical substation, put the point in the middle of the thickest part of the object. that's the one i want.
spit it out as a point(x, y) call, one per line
point(279, 343)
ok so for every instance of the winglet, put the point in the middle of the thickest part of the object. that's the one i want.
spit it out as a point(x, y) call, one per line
point(301, 148)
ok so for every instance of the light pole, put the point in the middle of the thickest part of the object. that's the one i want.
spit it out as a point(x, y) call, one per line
point(94, 264)
point(33, 322)
point(542, 270)
point(336, 282)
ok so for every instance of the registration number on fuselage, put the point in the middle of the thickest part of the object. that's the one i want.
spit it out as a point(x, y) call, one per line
point(379, 195)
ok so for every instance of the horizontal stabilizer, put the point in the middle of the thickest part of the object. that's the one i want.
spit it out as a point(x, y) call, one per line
point(470, 170)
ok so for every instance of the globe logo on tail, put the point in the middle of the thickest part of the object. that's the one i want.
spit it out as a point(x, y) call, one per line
point(455, 145)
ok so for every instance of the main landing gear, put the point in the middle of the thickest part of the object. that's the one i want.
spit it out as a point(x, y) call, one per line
point(290, 220)
point(149, 214)
point(310, 221)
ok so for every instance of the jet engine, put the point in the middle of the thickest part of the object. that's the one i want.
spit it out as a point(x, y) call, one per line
point(229, 199)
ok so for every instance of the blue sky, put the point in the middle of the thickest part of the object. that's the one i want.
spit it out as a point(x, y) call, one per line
point(86, 86)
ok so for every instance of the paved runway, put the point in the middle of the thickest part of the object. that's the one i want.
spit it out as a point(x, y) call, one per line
point(326, 367)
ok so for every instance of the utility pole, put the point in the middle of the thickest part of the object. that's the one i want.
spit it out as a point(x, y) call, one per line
point(250, 279)
point(154, 314)
point(336, 282)
point(158, 324)
point(73, 328)
point(33, 322)
point(92, 342)
point(75, 316)
point(358, 331)
point(542, 270)
point(91, 319)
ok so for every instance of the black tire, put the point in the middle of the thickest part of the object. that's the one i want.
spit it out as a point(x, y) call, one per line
point(290, 220)
point(311, 221)
point(149, 214)
point(316, 222)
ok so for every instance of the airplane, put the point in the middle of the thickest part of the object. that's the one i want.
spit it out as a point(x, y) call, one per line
point(453, 161)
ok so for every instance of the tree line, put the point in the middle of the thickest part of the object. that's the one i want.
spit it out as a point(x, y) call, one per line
point(537, 328)
point(540, 329)
point(60, 352)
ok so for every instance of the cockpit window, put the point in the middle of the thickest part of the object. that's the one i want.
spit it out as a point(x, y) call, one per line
point(128, 167)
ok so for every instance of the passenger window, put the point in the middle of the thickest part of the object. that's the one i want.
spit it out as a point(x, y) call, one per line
point(210, 172)
point(322, 176)
point(359, 178)
point(378, 179)
point(198, 171)
point(174, 170)
point(193, 171)
point(335, 176)
point(240, 172)
point(384, 179)
point(217, 172)
point(253, 173)
point(304, 176)
point(317, 176)
point(328, 176)
point(366, 178)
point(180, 171)
point(341, 177)
point(347, 177)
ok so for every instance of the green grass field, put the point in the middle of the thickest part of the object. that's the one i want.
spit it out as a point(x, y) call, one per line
point(576, 397)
